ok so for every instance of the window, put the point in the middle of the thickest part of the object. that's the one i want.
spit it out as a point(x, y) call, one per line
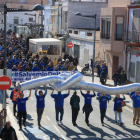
point(76, 32)
point(70, 31)
point(30, 19)
point(15, 20)
point(105, 33)
point(119, 28)
point(23, 1)
point(89, 34)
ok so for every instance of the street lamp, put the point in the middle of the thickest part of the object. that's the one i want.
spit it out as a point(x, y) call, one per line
point(91, 16)
point(35, 20)
point(35, 8)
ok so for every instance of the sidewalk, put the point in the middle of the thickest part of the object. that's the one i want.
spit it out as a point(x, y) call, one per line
point(88, 78)
point(10, 117)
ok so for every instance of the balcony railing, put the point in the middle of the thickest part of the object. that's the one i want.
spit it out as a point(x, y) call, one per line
point(132, 36)
point(105, 36)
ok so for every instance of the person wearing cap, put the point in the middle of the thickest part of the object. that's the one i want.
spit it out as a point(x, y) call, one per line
point(40, 104)
point(13, 98)
point(59, 104)
point(123, 77)
point(116, 78)
point(87, 108)
point(74, 102)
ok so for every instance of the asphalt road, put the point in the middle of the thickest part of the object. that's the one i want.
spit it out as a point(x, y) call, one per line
point(51, 131)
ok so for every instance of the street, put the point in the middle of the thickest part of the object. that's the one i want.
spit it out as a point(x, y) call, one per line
point(50, 130)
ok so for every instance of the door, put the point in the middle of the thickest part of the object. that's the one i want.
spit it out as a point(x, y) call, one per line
point(115, 63)
point(86, 56)
point(76, 51)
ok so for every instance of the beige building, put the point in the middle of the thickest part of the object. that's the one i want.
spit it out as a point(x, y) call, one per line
point(113, 25)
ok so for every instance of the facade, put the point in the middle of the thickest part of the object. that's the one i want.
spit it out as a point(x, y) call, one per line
point(132, 42)
point(15, 19)
point(113, 25)
point(81, 31)
point(1, 21)
point(83, 45)
point(55, 21)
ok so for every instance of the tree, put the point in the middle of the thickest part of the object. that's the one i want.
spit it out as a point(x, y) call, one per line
point(27, 41)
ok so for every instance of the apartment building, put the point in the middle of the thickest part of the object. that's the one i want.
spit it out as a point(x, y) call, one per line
point(113, 24)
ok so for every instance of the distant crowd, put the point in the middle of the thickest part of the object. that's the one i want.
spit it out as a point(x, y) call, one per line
point(19, 58)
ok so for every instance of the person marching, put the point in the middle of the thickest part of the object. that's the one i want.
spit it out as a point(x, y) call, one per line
point(59, 103)
point(22, 107)
point(14, 100)
point(136, 104)
point(40, 104)
point(87, 108)
point(118, 108)
point(74, 102)
point(103, 105)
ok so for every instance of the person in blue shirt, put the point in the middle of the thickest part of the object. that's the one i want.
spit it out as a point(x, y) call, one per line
point(117, 102)
point(60, 67)
point(64, 68)
point(14, 68)
point(40, 104)
point(106, 71)
point(14, 60)
point(22, 107)
point(87, 108)
point(136, 105)
point(21, 68)
point(59, 104)
point(103, 105)
point(35, 68)
point(49, 68)
point(42, 64)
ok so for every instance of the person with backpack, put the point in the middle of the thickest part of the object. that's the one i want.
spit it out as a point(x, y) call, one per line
point(118, 108)
point(103, 105)
point(87, 108)
point(74, 102)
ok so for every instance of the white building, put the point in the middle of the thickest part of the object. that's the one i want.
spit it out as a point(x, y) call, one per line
point(1, 21)
point(83, 45)
point(19, 18)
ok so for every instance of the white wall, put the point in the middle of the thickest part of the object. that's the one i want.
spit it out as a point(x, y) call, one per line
point(20, 15)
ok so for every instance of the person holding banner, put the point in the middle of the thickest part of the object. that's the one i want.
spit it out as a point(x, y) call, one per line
point(22, 107)
point(40, 104)
point(87, 108)
point(103, 105)
point(59, 104)
point(14, 100)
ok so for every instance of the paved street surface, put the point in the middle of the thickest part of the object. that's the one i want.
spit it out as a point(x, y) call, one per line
point(51, 131)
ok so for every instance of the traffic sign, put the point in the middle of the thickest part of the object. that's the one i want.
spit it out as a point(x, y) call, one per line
point(70, 45)
point(5, 82)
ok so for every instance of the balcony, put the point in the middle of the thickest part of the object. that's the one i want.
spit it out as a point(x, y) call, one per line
point(132, 36)
point(104, 36)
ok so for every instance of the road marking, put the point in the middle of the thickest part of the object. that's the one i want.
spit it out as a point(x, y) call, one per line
point(56, 129)
point(108, 114)
point(63, 137)
point(48, 118)
point(32, 98)
point(4, 83)
point(96, 106)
